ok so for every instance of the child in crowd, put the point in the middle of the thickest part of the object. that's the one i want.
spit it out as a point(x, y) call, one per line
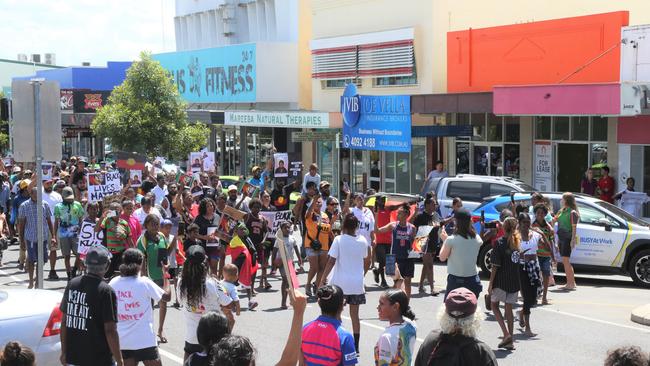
point(212, 327)
point(231, 275)
point(191, 236)
point(173, 252)
point(290, 246)
point(397, 344)
point(242, 253)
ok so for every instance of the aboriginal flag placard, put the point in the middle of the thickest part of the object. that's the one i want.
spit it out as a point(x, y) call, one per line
point(130, 161)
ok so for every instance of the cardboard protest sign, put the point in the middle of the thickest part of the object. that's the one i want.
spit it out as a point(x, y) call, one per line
point(102, 184)
point(47, 167)
point(158, 163)
point(287, 264)
point(195, 162)
point(208, 161)
point(419, 245)
point(295, 167)
point(89, 238)
point(251, 190)
point(135, 176)
point(234, 213)
point(107, 200)
point(274, 219)
point(281, 165)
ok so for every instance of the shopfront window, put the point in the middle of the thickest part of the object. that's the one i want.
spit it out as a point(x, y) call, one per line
point(487, 154)
point(580, 128)
point(599, 128)
point(418, 161)
point(358, 169)
point(259, 141)
point(389, 174)
point(326, 160)
point(543, 128)
point(561, 128)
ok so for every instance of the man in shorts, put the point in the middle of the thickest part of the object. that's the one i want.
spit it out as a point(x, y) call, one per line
point(67, 218)
point(27, 232)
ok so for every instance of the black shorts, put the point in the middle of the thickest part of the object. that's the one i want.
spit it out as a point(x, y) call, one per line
point(355, 299)
point(380, 253)
point(145, 354)
point(565, 248)
point(192, 348)
point(406, 267)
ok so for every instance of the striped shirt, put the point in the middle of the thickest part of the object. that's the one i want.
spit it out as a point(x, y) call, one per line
point(116, 234)
point(326, 343)
point(28, 211)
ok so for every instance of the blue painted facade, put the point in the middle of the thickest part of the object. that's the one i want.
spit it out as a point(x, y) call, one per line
point(92, 78)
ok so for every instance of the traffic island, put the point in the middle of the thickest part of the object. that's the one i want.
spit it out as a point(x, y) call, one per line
point(641, 315)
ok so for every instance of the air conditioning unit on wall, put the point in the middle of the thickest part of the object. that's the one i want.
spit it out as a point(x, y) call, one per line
point(50, 58)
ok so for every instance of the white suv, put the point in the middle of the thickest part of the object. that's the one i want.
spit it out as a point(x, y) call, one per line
point(471, 189)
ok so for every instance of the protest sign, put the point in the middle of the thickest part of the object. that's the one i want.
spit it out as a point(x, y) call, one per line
point(234, 213)
point(126, 160)
point(102, 184)
point(250, 189)
point(281, 163)
point(89, 238)
point(419, 245)
point(135, 178)
point(274, 219)
point(195, 162)
point(207, 158)
point(287, 264)
point(47, 170)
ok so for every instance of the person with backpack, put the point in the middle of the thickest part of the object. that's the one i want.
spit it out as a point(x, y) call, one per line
point(455, 343)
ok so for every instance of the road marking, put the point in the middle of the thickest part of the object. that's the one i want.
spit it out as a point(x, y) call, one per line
point(16, 279)
point(171, 356)
point(375, 326)
point(596, 320)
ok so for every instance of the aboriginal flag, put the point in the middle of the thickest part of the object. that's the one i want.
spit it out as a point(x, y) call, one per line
point(131, 161)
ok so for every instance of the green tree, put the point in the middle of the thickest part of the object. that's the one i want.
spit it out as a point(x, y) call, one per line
point(146, 114)
point(4, 137)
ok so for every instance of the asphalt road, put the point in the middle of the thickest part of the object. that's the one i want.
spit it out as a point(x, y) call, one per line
point(576, 329)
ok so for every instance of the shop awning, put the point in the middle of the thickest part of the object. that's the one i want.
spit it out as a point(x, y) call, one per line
point(597, 99)
point(452, 103)
point(206, 116)
point(441, 131)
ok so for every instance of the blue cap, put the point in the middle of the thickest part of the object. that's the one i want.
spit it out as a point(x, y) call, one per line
point(166, 222)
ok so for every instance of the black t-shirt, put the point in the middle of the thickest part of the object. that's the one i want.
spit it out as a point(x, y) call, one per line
point(204, 224)
point(507, 261)
point(424, 219)
point(256, 228)
point(88, 302)
point(454, 350)
point(197, 359)
point(279, 200)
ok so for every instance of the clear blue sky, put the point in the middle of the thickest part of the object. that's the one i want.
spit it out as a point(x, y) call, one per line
point(86, 30)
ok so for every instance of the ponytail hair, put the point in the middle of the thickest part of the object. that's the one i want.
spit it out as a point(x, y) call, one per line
point(511, 233)
point(17, 354)
point(400, 297)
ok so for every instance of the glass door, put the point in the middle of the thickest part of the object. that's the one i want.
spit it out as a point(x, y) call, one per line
point(487, 160)
point(375, 170)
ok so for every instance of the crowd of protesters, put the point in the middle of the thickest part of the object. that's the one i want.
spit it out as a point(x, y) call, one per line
point(168, 239)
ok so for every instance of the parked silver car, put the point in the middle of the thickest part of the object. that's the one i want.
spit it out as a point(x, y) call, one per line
point(33, 318)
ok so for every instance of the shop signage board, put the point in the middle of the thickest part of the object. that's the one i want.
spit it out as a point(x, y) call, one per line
point(301, 136)
point(89, 101)
point(286, 119)
point(543, 166)
point(380, 123)
point(214, 75)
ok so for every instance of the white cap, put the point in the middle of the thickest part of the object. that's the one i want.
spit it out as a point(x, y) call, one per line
point(232, 187)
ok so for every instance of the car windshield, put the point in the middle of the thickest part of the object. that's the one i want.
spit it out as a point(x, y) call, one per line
point(621, 213)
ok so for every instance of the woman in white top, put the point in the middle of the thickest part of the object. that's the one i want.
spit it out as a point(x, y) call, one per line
point(134, 311)
point(366, 221)
point(200, 293)
point(529, 275)
point(346, 261)
point(397, 344)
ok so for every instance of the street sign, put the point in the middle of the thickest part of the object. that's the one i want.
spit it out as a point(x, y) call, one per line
point(301, 136)
point(23, 120)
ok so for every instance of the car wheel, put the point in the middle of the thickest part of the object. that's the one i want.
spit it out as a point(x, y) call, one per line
point(640, 268)
point(484, 256)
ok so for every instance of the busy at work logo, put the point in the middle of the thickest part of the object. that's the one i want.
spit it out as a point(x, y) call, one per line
point(195, 76)
point(350, 105)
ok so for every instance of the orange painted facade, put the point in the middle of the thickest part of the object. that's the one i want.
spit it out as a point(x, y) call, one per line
point(570, 50)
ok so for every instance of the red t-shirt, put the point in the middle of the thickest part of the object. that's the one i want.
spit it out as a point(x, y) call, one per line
point(606, 185)
point(383, 218)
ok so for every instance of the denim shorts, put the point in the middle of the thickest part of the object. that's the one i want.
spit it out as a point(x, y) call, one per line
point(545, 265)
point(472, 283)
point(314, 253)
point(32, 251)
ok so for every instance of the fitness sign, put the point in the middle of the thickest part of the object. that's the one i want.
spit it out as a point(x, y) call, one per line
point(376, 122)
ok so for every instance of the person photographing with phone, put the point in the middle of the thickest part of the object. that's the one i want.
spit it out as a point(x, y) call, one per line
point(117, 236)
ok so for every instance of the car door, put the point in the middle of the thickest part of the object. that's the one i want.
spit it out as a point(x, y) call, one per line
point(470, 192)
point(600, 236)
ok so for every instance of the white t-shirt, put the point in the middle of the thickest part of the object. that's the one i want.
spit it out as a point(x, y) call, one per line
point(160, 193)
point(141, 215)
point(231, 290)
point(215, 298)
point(530, 246)
point(349, 252)
point(52, 199)
point(134, 311)
point(436, 174)
point(366, 222)
point(397, 340)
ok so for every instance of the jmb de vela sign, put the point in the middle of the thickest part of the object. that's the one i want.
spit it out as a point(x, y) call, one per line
point(376, 122)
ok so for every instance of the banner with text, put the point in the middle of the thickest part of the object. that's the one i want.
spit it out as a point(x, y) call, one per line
point(543, 166)
point(103, 184)
point(214, 75)
point(274, 219)
point(88, 237)
point(376, 122)
point(277, 119)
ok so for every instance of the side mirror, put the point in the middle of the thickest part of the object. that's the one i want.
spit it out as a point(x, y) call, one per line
point(606, 223)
